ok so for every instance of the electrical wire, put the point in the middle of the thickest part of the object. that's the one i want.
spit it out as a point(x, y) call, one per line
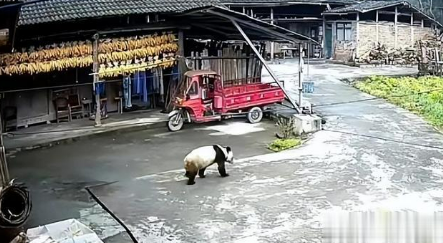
point(384, 139)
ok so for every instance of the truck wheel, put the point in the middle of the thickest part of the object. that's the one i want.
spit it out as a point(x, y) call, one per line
point(255, 115)
point(175, 123)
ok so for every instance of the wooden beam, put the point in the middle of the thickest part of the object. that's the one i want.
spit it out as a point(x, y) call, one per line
point(181, 43)
point(422, 23)
point(357, 35)
point(272, 16)
point(412, 29)
point(396, 27)
point(323, 41)
point(339, 14)
point(95, 70)
point(392, 13)
point(377, 26)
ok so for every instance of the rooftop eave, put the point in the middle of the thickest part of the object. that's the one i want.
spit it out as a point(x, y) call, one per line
point(256, 4)
point(344, 13)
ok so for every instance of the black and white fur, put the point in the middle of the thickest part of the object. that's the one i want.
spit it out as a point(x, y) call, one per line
point(201, 158)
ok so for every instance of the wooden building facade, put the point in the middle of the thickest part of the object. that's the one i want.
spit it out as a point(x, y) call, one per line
point(346, 29)
point(53, 53)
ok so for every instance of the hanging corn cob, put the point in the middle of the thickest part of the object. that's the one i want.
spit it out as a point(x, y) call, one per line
point(118, 70)
point(79, 54)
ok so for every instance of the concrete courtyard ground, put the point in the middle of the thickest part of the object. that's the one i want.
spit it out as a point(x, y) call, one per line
point(370, 154)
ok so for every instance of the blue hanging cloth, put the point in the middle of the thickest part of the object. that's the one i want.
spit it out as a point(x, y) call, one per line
point(144, 86)
point(135, 83)
point(100, 89)
point(127, 91)
point(140, 83)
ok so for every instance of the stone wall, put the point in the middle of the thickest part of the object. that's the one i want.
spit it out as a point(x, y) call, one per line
point(386, 35)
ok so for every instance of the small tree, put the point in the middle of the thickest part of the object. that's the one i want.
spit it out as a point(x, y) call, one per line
point(285, 127)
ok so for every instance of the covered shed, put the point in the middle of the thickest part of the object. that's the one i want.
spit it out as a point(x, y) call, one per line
point(148, 37)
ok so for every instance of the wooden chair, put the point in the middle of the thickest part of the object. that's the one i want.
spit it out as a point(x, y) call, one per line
point(76, 105)
point(9, 118)
point(62, 109)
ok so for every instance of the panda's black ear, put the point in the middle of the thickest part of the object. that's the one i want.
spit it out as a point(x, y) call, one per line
point(228, 149)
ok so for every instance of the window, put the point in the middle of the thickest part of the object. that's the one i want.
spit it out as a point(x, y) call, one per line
point(344, 31)
point(193, 90)
point(313, 32)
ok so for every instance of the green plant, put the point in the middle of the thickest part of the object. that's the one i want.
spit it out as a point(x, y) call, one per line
point(284, 144)
point(285, 127)
point(423, 95)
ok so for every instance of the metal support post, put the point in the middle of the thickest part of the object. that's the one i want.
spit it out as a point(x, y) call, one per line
point(4, 171)
point(309, 54)
point(272, 43)
point(300, 76)
point(262, 60)
point(95, 70)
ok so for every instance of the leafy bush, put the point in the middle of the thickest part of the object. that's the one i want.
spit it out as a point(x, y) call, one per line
point(286, 127)
point(422, 95)
point(284, 144)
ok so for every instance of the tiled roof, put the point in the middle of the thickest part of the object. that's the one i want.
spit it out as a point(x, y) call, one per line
point(366, 6)
point(60, 10)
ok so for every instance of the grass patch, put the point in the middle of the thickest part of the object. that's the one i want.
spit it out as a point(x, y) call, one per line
point(410, 93)
point(284, 144)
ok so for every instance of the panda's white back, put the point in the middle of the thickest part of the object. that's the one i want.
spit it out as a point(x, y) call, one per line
point(202, 156)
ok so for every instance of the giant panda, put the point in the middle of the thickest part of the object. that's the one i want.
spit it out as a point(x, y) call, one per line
point(200, 158)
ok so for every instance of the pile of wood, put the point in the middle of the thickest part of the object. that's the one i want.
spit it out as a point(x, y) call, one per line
point(231, 61)
point(429, 55)
point(113, 53)
point(381, 55)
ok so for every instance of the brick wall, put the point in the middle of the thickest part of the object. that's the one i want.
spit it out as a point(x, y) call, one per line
point(386, 33)
point(367, 38)
point(420, 33)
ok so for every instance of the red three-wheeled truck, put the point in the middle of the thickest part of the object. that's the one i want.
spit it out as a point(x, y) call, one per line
point(204, 98)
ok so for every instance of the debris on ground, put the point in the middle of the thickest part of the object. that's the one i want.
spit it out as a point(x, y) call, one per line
point(20, 238)
point(67, 231)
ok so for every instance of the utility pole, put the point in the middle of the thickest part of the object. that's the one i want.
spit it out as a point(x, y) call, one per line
point(95, 70)
point(300, 77)
point(272, 43)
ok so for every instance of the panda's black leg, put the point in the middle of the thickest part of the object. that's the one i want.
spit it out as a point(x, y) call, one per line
point(201, 173)
point(222, 170)
point(191, 180)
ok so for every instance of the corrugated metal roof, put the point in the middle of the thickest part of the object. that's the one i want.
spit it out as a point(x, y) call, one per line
point(60, 10)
